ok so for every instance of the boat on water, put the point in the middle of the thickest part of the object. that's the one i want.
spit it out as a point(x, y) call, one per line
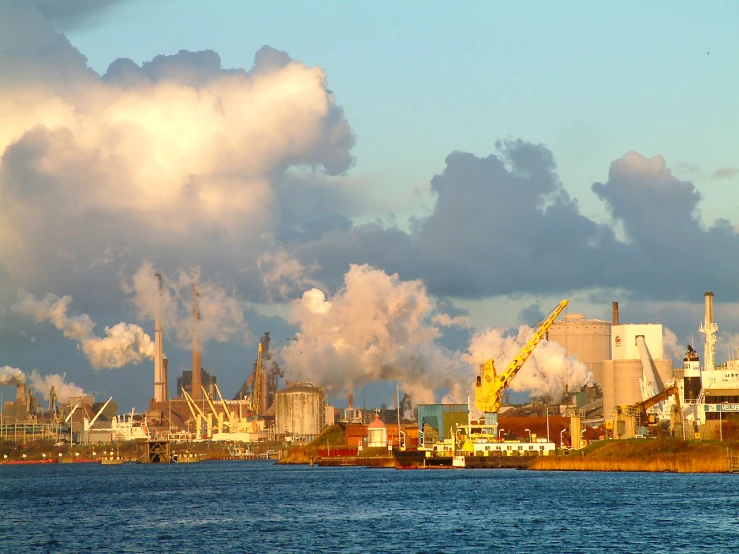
point(128, 428)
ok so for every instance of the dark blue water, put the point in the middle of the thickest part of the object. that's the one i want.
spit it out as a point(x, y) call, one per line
point(260, 507)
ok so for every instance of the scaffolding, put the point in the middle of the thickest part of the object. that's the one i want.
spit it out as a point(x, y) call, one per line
point(30, 432)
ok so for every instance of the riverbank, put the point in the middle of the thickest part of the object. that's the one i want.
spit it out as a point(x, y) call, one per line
point(659, 455)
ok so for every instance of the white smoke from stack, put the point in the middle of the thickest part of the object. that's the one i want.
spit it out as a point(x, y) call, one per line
point(376, 327)
point(282, 273)
point(670, 346)
point(547, 371)
point(122, 344)
point(11, 376)
point(221, 311)
point(64, 391)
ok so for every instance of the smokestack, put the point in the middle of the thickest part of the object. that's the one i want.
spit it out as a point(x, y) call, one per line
point(615, 313)
point(351, 399)
point(197, 376)
point(20, 394)
point(160, 375)
point(710, 328)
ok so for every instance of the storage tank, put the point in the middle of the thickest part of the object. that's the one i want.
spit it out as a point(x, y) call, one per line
point(622, 373)
point(299, 411)
point(589, 340)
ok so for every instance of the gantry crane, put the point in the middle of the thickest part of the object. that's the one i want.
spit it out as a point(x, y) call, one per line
point(198, 416)
point(229, 417)
point(215, 413)
point(490, 386)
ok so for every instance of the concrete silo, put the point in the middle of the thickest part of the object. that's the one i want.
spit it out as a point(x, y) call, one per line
point(589, 340)
point(637, 353)
point(299, 411)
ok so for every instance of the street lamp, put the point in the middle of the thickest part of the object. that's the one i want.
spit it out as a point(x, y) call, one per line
point(561, 438)
point(529, 430)
point(500, 434)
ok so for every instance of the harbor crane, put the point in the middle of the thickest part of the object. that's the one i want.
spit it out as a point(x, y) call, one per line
point(490, 386)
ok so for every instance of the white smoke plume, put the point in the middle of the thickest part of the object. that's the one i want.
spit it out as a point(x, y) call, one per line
point(445, 320)
point(375, 327)
point(11, 376)
point(122, 344)
point(283, 274)
point(545, 373)
point(670, 346)
point(221, 311)
point(64, 391)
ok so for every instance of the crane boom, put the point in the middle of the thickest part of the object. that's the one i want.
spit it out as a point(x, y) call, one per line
point(490, 386)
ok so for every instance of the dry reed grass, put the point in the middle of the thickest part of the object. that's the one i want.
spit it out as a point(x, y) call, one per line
point(643, 455)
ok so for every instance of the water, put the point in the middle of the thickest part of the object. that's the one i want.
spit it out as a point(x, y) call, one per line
point(260, 507)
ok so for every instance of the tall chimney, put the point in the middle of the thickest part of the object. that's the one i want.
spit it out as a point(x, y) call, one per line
point(709, 308)
point(615, 313)
point(20, 394)
point(160, 375)
point(351, 399)
point(197, 376)
point(710, 328)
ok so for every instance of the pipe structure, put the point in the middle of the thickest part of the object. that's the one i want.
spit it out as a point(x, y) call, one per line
point(615, 313)
point(197, 376)
point(649, 376)
point(160, 373)
point(709, 328)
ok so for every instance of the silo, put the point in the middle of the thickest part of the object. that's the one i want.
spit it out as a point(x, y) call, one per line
point(299, 411)
point(622, 373)
point(589, 340)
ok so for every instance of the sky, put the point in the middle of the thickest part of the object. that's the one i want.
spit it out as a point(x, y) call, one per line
point(398, 186)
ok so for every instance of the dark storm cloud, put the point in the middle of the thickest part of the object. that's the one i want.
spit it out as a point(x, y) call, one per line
point(668, 241)
point(70, 13)
point(505, 225)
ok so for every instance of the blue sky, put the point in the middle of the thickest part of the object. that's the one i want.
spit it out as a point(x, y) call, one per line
point(418, 81)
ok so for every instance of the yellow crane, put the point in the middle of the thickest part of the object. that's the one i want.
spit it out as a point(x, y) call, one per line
point(490, 386)
point(227, 414)
point(198, 416)
point(215, 413)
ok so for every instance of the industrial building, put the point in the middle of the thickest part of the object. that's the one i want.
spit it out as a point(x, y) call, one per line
point(300, 412)
point(589, 340)
point(637, 352)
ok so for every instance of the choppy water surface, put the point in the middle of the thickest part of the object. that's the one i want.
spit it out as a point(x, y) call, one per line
point(260, 507)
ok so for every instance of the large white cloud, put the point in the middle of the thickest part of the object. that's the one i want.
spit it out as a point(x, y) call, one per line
point(177, 159)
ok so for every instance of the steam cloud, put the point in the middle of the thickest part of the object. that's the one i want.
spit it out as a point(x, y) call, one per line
point(122, 344)
point(221, 311)
point(375, 327)
point(11, 376)
point(64, 391)
point(545, 373)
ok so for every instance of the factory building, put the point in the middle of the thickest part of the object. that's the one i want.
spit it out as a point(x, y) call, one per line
point(436, 422)
point(637, 352)
point(589, 340)
point(208, 382)
point(300, 412)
